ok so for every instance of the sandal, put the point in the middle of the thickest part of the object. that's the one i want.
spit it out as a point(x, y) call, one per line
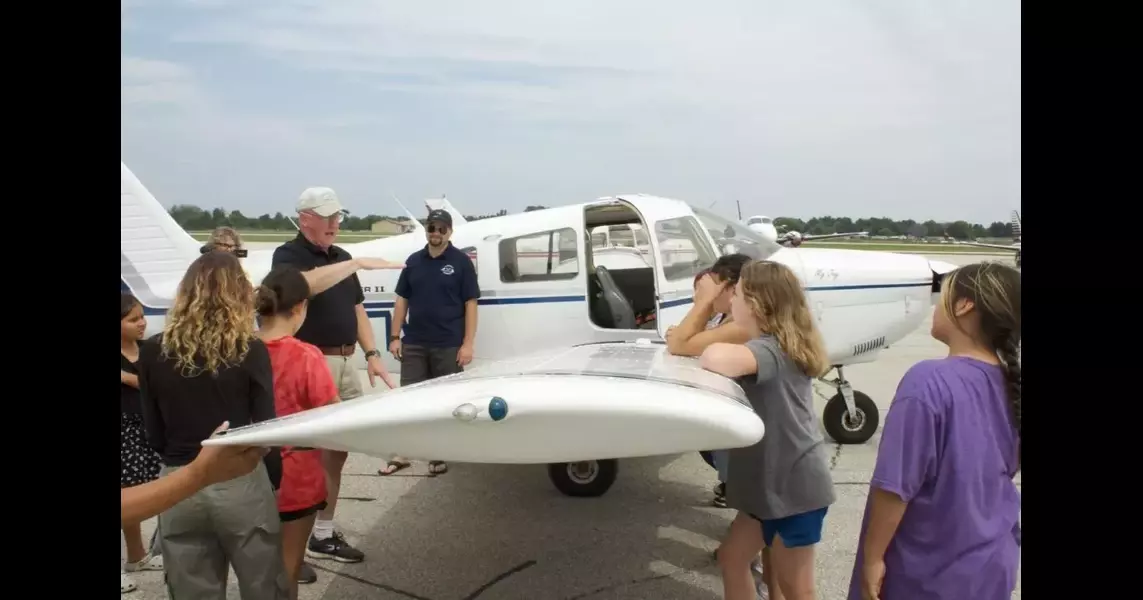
point(437, 467)
point(394, 466)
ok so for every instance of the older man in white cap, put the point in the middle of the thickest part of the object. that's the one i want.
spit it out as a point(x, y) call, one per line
point(336, 322)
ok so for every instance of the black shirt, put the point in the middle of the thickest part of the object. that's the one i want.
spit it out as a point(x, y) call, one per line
point(128, 396)
point(180, 412)
point(331, 318)
point(436, 290)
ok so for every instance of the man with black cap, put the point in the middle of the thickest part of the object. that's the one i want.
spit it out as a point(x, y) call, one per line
point(438, 291)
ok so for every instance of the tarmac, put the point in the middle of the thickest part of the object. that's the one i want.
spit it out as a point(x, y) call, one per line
point(504, 533)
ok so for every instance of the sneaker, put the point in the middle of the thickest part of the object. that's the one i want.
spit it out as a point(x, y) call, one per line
point(149, 563)
point(756, 569)
point(126, 584)
point(334, 548)
point(307, 574)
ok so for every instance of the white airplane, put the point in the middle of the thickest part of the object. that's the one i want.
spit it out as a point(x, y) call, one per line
point(764, 226)
point(1013, 246)
point(546, 284)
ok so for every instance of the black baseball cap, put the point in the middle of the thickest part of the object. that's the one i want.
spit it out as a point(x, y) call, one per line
point(441, 216)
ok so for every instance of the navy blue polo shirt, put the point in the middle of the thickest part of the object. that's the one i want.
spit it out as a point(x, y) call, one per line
point(436, 290)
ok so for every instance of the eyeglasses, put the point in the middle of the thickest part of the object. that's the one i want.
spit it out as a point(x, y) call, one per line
point(435, 228)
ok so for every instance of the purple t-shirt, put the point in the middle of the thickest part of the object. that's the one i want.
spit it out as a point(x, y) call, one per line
point(949, 449)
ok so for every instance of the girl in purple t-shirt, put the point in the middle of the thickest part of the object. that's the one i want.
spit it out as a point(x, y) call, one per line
point(942, 520)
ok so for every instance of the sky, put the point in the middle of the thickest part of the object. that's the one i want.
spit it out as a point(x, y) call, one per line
point(795, 108)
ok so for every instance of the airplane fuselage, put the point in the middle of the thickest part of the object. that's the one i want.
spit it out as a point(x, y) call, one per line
point(537, 288)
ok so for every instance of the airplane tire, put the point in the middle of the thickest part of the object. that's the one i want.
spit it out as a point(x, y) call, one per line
point(584, 479)
point(845, 430)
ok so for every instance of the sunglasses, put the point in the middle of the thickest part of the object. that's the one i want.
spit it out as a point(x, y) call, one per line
point(236, 250)
point(433, 228)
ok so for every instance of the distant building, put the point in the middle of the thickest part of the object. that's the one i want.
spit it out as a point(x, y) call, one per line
point(391, 227)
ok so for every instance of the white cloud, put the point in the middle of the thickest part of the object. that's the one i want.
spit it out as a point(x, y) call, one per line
point(879, 107)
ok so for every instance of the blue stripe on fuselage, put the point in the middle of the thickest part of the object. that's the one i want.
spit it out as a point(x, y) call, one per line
point(380, 308)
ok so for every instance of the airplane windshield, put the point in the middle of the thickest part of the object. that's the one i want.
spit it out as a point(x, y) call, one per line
point(734, 237)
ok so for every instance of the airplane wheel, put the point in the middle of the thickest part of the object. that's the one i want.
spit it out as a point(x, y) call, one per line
point(584, 479)
point(851, 429)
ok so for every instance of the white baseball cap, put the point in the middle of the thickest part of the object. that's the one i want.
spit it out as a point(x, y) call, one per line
point(321, 200)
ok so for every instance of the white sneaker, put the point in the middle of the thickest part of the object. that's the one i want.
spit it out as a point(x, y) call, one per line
point(149, 563)
point(126, 584)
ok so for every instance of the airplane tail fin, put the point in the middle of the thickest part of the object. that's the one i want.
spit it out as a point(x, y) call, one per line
point(154, 249)
point(442, 203)
point(417, 227)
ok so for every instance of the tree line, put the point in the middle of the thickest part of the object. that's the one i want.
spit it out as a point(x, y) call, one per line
point(194, 218)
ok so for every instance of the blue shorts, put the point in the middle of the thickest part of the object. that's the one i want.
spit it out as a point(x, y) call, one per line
point(803, 529)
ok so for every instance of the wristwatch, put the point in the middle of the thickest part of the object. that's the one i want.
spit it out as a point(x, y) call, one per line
point(394, 338)
point(371, 353)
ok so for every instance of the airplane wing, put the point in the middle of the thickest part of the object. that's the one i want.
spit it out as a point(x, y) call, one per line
point(795, 239)
point(589, 402)
point(1012, 247)
point(825, 236)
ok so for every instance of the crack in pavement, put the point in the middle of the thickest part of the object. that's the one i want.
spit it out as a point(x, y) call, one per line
point(373, 584)
point(501, 577)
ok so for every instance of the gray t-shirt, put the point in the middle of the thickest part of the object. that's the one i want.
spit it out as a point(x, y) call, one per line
point(786, 473)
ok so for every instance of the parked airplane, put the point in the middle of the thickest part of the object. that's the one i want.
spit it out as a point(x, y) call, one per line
point(764, 226)
point(545, 285)
point(1015, 245)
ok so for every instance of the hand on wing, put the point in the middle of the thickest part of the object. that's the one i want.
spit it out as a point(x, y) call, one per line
point(223, 463)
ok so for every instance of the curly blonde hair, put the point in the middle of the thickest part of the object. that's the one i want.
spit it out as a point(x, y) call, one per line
point(776, 300)
point(212, 321)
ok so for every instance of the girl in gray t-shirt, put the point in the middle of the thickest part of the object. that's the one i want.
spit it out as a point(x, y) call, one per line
point(780, 486)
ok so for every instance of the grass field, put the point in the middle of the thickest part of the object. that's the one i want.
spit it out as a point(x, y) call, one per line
point(875, 245)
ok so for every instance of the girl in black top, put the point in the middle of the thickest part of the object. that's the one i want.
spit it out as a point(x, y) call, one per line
point(205, 368)
point(138, 463)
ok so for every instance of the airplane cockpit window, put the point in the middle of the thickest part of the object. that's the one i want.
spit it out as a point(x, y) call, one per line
point(683, 249)
point(754, 220)
point(734, 237)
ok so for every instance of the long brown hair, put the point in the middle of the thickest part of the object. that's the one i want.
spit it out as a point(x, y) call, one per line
point(212, 321)
point(776, 299)
point(994, 290)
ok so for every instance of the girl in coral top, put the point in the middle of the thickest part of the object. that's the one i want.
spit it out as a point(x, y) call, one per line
point(301, 381)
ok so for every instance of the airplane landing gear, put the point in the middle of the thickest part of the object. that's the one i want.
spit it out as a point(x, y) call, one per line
point(584, 479)
point(850, 417)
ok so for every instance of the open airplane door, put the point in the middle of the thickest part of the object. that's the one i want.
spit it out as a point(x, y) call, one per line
point(681, 249)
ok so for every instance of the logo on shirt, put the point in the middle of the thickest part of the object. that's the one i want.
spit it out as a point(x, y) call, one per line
point(447, 270)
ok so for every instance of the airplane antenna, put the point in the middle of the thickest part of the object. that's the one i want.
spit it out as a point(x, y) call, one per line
point(293, 222)
point(739, 205)
point(416, 224)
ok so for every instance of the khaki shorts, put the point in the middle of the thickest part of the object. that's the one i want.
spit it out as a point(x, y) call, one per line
point(344, 377)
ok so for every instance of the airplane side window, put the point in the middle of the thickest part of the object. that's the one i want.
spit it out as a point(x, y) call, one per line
point(683, 249)
point(599, 240)
point(545, 256)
